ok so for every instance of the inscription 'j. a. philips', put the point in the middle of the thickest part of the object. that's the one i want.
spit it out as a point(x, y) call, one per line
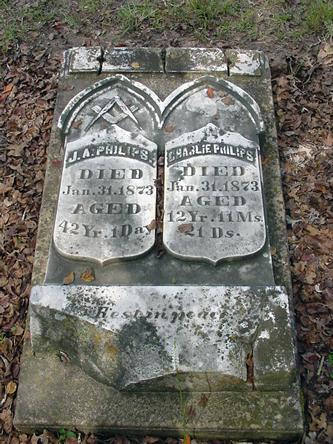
point(119, 150)
point(107, 197)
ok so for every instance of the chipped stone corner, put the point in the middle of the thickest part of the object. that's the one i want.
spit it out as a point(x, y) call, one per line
point(248, 62)
point(81, 59)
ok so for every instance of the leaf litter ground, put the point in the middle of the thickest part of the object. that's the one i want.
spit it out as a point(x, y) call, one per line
point(302, 86)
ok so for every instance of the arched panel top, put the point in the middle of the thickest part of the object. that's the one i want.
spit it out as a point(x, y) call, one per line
point(77, 103)
point(187, 89)
point(160, 110)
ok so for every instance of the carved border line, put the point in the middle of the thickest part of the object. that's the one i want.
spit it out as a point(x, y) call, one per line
point(160, 109)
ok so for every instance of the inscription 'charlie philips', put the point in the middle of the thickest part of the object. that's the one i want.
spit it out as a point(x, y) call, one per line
point(180, 153)
point(213, 195)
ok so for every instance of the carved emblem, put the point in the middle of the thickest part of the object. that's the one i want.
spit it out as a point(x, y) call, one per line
point(107, 196)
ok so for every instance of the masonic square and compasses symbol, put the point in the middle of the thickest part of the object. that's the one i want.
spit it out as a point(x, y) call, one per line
point(104, 112)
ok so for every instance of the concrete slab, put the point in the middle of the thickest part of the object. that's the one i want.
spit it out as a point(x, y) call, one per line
point(54, 394)
point(170, 337)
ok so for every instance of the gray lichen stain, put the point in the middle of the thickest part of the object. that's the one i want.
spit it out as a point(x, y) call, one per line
point(143, 353)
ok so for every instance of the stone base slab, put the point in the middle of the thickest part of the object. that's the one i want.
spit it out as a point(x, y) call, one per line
point(169, 337)
point(54, 394)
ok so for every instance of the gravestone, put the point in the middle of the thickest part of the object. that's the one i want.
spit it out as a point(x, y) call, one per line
point(161, 288)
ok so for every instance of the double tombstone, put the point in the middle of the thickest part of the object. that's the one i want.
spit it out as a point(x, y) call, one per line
point(163, 204)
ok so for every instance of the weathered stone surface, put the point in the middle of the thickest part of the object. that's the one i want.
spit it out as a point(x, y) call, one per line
point(233, 62)
point(213, 192)
point(244, 62)
point(235, 411)
point(130, 336)
point(114, 60)
point(83, 59)
point(54, 394)
point(168, 269)
point(133, 60)
point(195, 59)
point(107, 195)
point(213, 198)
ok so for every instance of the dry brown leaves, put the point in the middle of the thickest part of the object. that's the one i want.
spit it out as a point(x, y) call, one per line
point(88, 275)
point(27, 93)
point(304, 110)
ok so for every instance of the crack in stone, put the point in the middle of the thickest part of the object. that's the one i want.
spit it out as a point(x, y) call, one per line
point(101, 60)
point(228, 66)
point(163, 57)
point(250, 369)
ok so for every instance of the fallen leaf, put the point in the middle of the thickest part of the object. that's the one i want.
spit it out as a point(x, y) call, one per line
point(56, 162)
point(11, 387)
point(77, 124)
point(210, 92)
point(309, 277)
point(228, 100)
point(187, 439)
point(151, 226)
point(329, 139)
point(7, 89)
point(190, 411)
point(273, 251)
point(319, 423)
point(91, 439)
point(34, 439)
point(6, 418)
point(69, 278)
point(325, 55)
point(151, 439)
point(17, 330)
point(185, 228)
point(330, 430)
point(88, 275)
point(250, 368)
point(203, 400)
point(3, 281)
point(64, 356)
point(169, 128)
point(71, 440)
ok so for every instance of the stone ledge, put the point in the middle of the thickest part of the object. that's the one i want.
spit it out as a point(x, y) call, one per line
point(151, 60)
point(245, 62)
point(114, 60)
point(54, 394)
point(195, 59)
point(115, 333)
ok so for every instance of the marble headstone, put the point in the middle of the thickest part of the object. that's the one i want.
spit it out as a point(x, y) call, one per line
point(159, 207)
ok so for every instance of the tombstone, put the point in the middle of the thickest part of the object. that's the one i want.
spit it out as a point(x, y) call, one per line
point(161, 287)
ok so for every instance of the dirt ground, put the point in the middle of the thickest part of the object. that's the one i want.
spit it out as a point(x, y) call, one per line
point(300, 48)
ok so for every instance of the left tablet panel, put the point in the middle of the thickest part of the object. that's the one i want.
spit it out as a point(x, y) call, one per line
point(107, 197)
